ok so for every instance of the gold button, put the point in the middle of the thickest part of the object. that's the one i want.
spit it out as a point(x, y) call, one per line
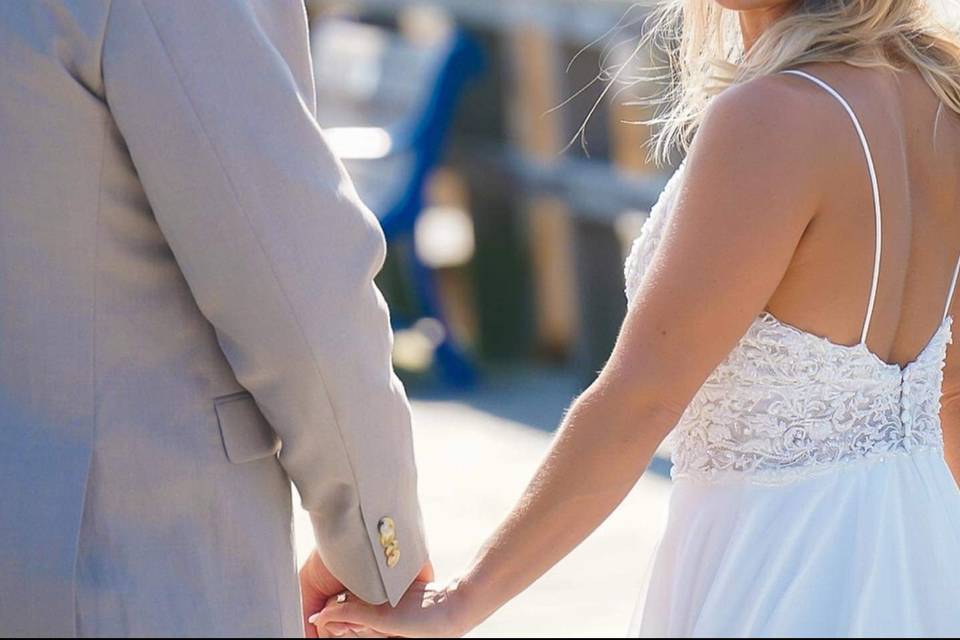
point(387, 528)
point(392, 552)
point(388, 532)
point(393, 557)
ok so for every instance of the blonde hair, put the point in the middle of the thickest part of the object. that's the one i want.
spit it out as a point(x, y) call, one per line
point(705, 53)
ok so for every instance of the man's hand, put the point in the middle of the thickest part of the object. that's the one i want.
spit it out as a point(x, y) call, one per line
point(318, 585)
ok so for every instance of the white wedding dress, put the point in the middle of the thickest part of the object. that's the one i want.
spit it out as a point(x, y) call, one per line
point(811, 496)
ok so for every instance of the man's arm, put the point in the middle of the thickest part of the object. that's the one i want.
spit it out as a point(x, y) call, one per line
point(280, 255)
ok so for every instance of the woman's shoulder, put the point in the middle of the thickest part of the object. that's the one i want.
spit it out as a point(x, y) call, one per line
point(770, 108)
point(777, 122)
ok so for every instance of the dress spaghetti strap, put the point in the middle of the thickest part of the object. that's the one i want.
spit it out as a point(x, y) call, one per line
point(873, 184)
point(953, 288)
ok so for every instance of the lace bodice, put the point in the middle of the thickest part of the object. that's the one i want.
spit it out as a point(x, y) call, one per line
point(786, 404)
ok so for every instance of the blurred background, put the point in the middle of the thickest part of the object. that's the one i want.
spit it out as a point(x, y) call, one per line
point(461, 123)
point(501, 144)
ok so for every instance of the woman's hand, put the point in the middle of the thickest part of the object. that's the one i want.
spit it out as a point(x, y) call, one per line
point(426, 611)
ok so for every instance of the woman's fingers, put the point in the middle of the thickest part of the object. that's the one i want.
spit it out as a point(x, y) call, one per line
point(346, 630)
point(365, 632)
point(335, 629)
point(350, 613)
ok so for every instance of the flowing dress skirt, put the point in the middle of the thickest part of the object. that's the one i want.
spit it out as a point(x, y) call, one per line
point(867, 549)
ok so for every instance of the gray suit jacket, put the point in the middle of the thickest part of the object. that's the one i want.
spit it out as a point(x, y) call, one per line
point(186, 282)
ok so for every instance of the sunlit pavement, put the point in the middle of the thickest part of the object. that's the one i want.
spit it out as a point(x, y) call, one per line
point(476, 453)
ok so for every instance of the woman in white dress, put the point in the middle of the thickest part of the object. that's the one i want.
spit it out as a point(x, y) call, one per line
point(790, 314)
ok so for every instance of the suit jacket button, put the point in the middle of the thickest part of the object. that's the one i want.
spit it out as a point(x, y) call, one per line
point(393, 556)
point(387, 528)
point(388, 532)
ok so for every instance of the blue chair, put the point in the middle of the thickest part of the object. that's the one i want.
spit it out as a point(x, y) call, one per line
point(387, 105)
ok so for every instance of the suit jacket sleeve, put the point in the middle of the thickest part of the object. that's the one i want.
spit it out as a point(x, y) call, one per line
point(280, 256)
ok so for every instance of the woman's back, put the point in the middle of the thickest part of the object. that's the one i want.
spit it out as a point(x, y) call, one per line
point(915, 146)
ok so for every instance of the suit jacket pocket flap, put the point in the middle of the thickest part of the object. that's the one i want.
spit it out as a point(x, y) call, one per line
point(245, 432)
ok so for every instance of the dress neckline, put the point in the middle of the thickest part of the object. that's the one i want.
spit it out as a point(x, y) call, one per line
point(943, 327)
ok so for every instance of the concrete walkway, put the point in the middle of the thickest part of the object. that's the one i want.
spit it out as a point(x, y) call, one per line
point(476, 453)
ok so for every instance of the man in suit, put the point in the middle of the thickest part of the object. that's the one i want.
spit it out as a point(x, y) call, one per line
point(188, 321)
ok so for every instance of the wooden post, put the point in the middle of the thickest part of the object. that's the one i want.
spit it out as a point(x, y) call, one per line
point(501, 267)
point(537, 134)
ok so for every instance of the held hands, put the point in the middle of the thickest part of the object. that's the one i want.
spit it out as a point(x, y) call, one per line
point(427, 610)
point(320, 589)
